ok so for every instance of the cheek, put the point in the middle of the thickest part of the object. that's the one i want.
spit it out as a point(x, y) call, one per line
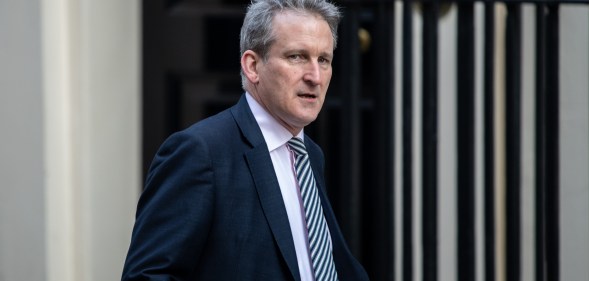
point(327, 76)
point(295, 76)
point(326, 84)
point(282, 77)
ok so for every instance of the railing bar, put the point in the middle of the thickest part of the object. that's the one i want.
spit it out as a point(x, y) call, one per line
point(385, 113)
point(465, 143)
point(552, 143)
point(430, 140)
point(407, 137)
point(489, 141)
point(540, 142)
point(513, 140)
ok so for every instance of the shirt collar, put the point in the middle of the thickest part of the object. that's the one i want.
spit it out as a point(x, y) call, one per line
point(275, 134)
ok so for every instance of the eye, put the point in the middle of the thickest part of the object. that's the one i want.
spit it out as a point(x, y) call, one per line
point(323, 60)
point(295, 57)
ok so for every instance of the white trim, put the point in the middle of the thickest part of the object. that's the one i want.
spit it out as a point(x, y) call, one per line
point(92, 134)
point(60, 146)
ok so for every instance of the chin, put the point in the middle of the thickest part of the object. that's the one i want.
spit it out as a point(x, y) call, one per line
point(308, 121)
point(305, 118)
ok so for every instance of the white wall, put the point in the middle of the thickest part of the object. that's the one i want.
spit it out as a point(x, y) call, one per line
point(22, 229)
point(70, 137)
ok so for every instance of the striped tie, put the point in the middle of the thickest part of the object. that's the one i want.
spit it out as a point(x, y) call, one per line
point(319, 240)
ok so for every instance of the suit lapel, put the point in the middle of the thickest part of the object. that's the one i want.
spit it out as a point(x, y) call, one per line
point(272, 204)
point(260, 164)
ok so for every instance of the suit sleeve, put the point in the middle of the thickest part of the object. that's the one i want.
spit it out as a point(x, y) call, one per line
point(174, 212)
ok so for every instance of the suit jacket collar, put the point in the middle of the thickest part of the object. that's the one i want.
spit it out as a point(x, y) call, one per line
point(247, 123)
point(260, 163)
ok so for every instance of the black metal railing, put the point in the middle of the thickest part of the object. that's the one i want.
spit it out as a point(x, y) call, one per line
point(361, 107)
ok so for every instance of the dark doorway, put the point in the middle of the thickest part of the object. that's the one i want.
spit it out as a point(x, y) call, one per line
point(190, 64)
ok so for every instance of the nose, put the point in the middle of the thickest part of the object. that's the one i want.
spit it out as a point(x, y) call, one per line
point(312, 73)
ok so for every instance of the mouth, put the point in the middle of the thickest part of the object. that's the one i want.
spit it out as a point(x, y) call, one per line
point(307, 96)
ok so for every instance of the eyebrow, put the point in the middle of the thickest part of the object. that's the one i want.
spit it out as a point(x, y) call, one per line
point(303, 51)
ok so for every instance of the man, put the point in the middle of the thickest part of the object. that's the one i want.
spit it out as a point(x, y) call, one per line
point(233, 197)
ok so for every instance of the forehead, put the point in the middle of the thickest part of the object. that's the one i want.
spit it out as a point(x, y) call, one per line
point(296, 25)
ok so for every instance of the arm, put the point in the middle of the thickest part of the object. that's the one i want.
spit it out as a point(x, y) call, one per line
point(174, 213)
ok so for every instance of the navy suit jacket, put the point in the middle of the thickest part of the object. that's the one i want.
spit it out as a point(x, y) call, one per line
point(212, 208)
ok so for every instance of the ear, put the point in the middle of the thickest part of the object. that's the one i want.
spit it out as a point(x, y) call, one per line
point(249, 65)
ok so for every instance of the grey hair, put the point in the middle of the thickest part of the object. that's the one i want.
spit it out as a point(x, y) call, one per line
point(256, 31)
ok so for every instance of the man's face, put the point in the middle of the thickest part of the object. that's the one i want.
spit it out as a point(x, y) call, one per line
point(293, 80)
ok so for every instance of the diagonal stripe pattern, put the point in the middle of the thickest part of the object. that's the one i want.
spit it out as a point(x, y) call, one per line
point(319, 240)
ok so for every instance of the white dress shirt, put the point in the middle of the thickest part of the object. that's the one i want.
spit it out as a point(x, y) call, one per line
point(276, 137)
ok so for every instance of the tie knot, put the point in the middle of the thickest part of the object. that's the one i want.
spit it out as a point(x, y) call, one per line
point(298, 146)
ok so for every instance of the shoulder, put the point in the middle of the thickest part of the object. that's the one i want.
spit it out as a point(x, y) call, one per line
point(223, 126)
point(214, 129)
point(199, 138)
